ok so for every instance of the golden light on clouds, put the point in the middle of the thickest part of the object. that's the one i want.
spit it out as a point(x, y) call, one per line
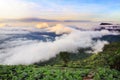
point(42, 25)
point(2, 25)
point(59, 28)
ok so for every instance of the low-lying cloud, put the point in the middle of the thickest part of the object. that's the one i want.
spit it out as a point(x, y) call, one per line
point(25, 51)
point(42, 25)
point(2, 25)
point(60, 29)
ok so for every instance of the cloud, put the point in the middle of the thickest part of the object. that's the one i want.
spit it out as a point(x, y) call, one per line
point(42, 25)
point(2, 25)
point(13, 30)
point(99, 46)
point(16, 8)
point(60, 29)
point(61, 10)
point(28, 51)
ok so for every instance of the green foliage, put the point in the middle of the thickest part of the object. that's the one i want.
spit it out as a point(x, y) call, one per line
point(106, 74)
point(70, 58)
point(110, 57)
point(21, 72)
point(32, 72)
point(65, 56)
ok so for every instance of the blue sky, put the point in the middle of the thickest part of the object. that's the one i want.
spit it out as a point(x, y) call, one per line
point(96, 10)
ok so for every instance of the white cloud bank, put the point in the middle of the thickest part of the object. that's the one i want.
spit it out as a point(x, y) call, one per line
point(32, 51)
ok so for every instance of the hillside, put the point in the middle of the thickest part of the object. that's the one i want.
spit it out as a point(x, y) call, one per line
point(67, 66)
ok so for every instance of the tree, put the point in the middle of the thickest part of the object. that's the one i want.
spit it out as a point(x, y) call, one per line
point(65, 56)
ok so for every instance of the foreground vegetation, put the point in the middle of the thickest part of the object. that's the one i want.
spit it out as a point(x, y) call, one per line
point(80, 66)
point(56, 73)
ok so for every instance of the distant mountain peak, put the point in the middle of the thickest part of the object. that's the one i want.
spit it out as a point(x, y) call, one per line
point(106, 24)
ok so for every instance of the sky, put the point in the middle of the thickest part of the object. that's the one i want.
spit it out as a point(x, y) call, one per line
point(94, 10)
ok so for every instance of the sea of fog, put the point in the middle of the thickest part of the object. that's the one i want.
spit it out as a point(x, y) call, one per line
point(40, 42)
